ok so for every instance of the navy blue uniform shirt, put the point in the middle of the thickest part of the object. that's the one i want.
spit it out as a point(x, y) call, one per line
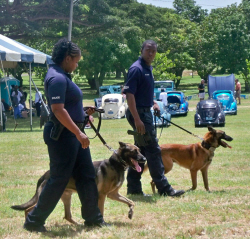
point(59, 89)
point(140, 83)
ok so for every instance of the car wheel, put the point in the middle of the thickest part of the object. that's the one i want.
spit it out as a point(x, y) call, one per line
point(196, 125)
point(235, 112)
point(223, 125)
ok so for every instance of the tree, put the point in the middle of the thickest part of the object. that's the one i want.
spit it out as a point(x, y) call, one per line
point(233, 39)
point(97, 58)
point(161, 66)
point(189, 10)
point(246, 75)
point(179, 44)
point(22, 19)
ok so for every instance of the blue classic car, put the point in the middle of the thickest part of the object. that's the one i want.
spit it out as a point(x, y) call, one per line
point(222, 88)
point(177, 104)
point(164, 114)
point(226, 97)
point(159, 85)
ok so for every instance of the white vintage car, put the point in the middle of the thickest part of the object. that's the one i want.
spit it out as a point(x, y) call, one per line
point(114, 106)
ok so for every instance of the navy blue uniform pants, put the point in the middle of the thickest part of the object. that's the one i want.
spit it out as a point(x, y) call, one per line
point(152, 152)
point(67, 158)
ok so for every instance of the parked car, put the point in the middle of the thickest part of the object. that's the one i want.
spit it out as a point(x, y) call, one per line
point(163, 113)
point(109, 89)
point(114, 106)
point(177, 103)
point(166, 85)
point(226, 97)
point(209, 112)
point(222, 88)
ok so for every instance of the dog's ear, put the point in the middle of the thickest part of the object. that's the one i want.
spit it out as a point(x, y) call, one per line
point(211, 129)
point(122, 144)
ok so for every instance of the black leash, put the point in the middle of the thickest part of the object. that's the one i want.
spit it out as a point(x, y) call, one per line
point(98, 127)
point(178, 126)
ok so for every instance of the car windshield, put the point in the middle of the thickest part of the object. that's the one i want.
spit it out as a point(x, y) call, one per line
point(208, 105)
point(103, 90)
point(108, 100)
point(163, 85)
point(223, 97)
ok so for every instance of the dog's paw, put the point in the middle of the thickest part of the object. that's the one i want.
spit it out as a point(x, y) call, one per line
point(130, 213)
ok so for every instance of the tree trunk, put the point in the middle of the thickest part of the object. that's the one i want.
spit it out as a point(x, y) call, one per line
point(124, 75)
point(247, 86)
point(96, 79)
point(118, 74)
point(178, 73)
point(101, 78)
point(91, 83)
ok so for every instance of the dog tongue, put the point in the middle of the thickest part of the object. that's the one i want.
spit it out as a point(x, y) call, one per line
point(138, 168)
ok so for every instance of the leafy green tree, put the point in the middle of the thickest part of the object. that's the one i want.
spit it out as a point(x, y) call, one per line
point(97, 58)
point(246, 75)
point(161, 66)
point(189, 10)
point(21, 19)
point(233, 39)
point(179, 44)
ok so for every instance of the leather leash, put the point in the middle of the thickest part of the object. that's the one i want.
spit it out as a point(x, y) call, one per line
point(98, 127)
point(178, 127)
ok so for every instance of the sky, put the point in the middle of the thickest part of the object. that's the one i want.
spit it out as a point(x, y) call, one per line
point(205, 4)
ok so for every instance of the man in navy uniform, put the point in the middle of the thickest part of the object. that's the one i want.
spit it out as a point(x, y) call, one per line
point(139, 90)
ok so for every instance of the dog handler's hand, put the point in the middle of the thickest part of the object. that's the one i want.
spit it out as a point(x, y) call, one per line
point(156, 107)
point(90, 110)
point(140, 128)
point(83, 139)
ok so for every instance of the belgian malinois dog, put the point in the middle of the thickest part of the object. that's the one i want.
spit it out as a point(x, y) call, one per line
point(194, 157)
point(109, 179)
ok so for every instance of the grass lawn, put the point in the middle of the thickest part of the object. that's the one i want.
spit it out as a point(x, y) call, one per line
point(222, 213)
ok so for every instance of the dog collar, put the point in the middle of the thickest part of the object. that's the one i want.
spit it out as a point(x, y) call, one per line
point(205, 145)
point(124, 164)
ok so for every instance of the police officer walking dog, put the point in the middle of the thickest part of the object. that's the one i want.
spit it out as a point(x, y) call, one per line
point(139, 90)
point(68, 146)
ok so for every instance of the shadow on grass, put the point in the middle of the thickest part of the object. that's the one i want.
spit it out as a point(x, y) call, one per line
point(147, 199)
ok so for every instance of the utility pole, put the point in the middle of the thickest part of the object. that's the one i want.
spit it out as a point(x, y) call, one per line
point(70, 20)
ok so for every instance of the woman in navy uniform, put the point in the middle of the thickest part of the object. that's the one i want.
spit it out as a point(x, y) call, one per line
point(69, 154)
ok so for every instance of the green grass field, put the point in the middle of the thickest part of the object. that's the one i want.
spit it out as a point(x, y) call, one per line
point(222, 213)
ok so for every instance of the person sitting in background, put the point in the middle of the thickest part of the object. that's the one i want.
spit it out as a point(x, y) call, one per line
point(38, 103)
point(6, 106)
point(23, 98)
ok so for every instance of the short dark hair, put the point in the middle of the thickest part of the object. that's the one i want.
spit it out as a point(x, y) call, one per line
point(151, 42)
point(64, 48)
point(162, 90)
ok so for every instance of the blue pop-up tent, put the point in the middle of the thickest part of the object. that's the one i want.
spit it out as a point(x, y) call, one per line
point(12, 53)
point(220, 83)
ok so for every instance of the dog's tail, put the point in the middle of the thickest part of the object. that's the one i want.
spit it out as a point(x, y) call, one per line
point(40, 185)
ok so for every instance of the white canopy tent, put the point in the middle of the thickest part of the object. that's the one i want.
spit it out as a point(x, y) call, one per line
point(12, 52)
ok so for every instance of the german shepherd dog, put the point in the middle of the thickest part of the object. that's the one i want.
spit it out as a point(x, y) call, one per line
point(109, 179)
point(194, 157)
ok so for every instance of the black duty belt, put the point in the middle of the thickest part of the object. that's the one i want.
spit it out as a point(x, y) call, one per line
point(143, 109)
point(80, 125)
